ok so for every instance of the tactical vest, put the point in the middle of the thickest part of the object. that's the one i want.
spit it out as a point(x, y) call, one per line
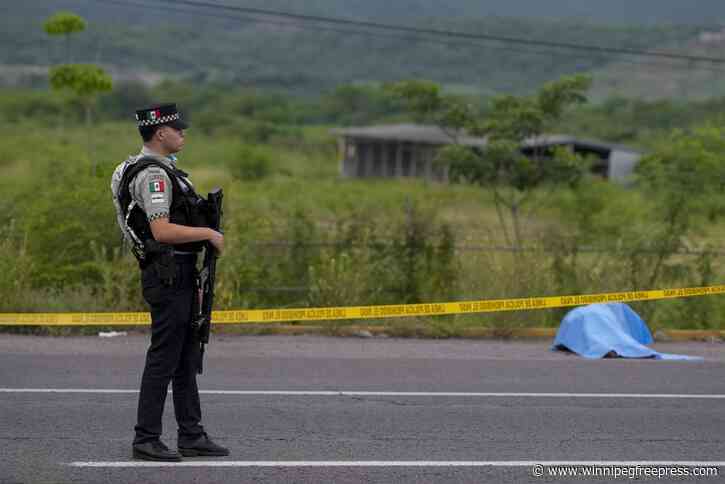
point(187, 208)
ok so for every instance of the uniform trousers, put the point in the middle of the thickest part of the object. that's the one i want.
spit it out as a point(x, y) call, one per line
point(173, 355)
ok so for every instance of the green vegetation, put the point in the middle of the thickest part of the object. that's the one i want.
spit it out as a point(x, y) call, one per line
point(510, 174)
point(298, 235)
point(65, 24)
point(84, 81)
point(147, 43)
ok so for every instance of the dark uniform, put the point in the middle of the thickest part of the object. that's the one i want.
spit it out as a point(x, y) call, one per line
point(147, 187)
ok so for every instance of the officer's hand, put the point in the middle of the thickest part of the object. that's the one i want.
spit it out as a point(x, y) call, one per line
point(217, 240)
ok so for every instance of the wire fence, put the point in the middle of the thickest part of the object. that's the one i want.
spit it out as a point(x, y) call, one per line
point(482, 248)
point(495, 248)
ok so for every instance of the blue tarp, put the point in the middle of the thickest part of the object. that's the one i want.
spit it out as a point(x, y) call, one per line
point(612, 329)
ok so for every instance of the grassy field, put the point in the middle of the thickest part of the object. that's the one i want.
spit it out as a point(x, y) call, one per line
point(299, 235)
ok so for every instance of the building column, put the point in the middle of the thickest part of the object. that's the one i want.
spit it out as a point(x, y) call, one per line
point(342, 153)
point(366, 165)
point(399, 160)
point(377, 159)
point(360, 150)
point(414, 154)
point(387, 169)
point(429, 163)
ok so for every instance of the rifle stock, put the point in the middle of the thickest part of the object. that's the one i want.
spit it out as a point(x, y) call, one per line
point(207, 276)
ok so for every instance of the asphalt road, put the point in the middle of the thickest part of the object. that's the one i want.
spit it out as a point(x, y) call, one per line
point(482, 411)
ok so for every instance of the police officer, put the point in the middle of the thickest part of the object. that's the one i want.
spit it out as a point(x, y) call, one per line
point(161, 216)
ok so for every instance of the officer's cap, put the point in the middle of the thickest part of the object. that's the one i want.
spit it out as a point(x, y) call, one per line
point(165, 114)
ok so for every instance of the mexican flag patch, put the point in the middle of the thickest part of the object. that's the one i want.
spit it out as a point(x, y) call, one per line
point(157, 186)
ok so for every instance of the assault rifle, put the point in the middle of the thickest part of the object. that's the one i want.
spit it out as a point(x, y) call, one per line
point(207, 275)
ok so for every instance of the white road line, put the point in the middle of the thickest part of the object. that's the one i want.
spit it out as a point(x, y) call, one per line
point(512, 463)
point(313, 393)
point(64, 390)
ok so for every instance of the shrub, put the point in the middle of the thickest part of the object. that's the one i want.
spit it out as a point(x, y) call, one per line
point(251, 163)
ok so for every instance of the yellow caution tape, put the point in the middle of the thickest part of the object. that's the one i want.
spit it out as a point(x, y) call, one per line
point(261, 316)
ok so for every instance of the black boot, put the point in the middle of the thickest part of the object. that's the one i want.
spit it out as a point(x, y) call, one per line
point(155, 450)
point(203, 446)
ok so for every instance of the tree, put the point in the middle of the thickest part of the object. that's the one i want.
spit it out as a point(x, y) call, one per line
point(352, 104)
point(423, 99)
point(684, 177)
point(64, 23)
point(650, 232)
point(85, 81)
point(516, 160)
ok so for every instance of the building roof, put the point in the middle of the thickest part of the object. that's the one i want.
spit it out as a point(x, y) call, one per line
point(567, 140)
point(413, 133)
point(435, 135)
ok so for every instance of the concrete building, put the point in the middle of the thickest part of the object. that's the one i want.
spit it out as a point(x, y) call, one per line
point(409, 150)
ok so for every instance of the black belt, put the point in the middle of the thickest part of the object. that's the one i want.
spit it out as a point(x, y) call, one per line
point(189, 258)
